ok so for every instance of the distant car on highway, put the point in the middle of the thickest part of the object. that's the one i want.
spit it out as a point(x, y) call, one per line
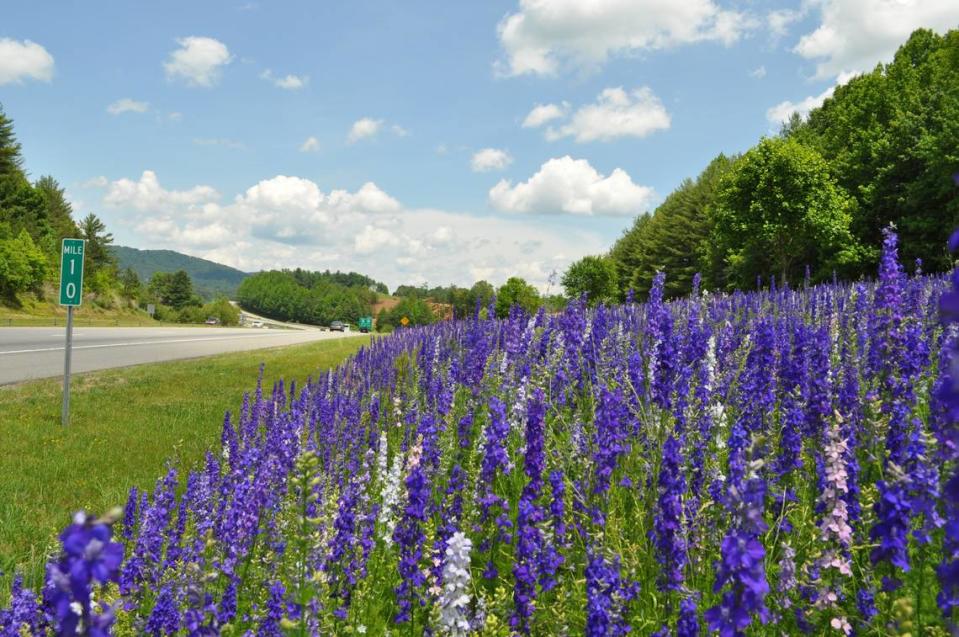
point(338, 326)
point(256, 324)
point(213, 321)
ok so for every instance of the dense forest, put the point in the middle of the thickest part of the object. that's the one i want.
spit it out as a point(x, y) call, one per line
point(309, 297)
point(210, 279)
point(812, 201)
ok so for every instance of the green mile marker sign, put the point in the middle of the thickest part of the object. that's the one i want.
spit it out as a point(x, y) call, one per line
point(71, 272)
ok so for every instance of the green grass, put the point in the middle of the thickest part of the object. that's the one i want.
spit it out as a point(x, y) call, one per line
point(125, 425)
point(30, 311)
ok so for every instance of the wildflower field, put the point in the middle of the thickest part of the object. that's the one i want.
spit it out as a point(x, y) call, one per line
point(767, 463)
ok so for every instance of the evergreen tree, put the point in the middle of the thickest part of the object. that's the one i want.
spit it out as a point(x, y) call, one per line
point(11, 161)
point(58, 210)
point(673, 239)
point(22, 208)
point(179, 293)
point(98, 240)
point(130, 281)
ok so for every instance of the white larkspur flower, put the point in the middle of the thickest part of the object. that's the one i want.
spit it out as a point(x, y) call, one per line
point(454, 602)
point(710, 364)
point(381, 459)
point(391, 498)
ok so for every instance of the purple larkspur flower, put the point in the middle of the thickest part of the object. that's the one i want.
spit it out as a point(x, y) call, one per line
point(607, 595)
point(275, 609)
point(164, 619)
point(495, 462)
point(688, 624)
point(610, 438)
point(741, 566)
point(88, 556)
point(410, 536)
point(668, 534)
point(529, 544)
point(552, 557)
point(662, 364)
point(130, 514)
point(891, 530)
point(24, 612)
point(947, 398)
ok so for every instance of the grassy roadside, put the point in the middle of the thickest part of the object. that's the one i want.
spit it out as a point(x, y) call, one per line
point(32, 312)
point(125, 425)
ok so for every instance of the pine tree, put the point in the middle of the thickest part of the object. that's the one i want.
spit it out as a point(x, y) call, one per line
point(98, 239)
point(11, 161)
point(58, 209)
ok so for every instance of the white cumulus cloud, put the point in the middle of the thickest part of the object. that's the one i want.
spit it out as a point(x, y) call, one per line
point(370, 239)
point(198, 61)
point(543, 113)
point(779, 20)
point(489, 159)
point(146, 194)
point(127, 105)
point(544, 34)
point(855, 35)
point(288, 82)
point(616, 113)
point(310, 145)
point(21, 60)
point(364, 128)
point(288, 222)
point(572, 186)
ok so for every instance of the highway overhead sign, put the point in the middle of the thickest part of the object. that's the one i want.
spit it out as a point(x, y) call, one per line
point(71, 272)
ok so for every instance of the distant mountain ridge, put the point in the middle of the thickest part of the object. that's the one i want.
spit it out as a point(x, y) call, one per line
point(209, 278)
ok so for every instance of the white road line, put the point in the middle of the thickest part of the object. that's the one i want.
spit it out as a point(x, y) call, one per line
point(132, 343)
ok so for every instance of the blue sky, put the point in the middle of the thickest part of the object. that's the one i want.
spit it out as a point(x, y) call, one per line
point(400, 139)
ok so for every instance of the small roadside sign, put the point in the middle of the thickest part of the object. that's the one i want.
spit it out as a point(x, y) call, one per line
point(151, 309)
point(405, 321)
point(71, 294)
point(71, 272)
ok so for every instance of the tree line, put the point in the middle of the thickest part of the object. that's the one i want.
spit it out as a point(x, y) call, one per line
point(810, 202)
point(318, 298)
point(34, 218)
point(481, 299)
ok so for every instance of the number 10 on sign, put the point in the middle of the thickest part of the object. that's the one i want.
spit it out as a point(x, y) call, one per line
point(71, 294)
point(71, 272)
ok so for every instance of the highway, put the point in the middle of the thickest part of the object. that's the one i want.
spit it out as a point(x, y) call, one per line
point(37, 352)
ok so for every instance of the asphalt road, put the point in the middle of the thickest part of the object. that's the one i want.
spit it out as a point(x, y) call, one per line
point(37, 352)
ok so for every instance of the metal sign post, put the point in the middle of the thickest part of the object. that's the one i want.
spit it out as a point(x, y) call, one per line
point(71, 294)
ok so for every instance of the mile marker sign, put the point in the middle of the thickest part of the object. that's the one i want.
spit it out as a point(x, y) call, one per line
point(71, 272)
point(71, 294)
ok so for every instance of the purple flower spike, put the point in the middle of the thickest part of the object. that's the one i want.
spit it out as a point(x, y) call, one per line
point(88, 557)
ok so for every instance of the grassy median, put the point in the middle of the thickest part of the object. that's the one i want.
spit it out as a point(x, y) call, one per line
point(126, 424)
